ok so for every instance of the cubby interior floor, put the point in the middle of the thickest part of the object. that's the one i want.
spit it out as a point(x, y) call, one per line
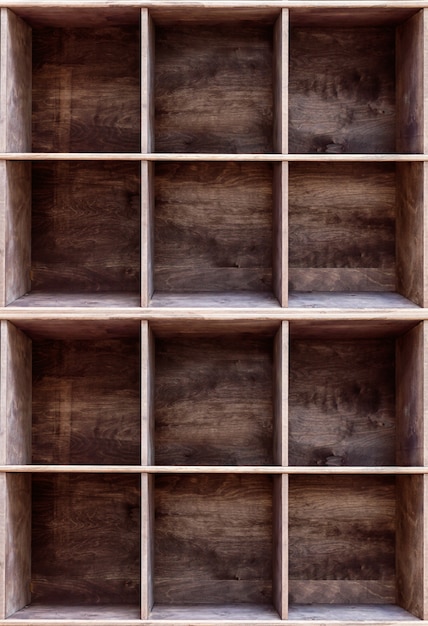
point(345, 300)
point(75, 611)
point(92, 300)
point(253, 612)
point(236, 299)
point(352, 612)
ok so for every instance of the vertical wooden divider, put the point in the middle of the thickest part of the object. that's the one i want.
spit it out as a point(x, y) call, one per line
point(280, 488)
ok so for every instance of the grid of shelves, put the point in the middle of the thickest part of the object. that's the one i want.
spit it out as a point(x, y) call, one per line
point(213, 328)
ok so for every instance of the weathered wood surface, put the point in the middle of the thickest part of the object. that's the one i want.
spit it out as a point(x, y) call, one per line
point(342, 534)
point(280, 545)
point(280, 375)
point(86, 227)
point(86, 89)
point(214, 401)
point(147, 232)
point(147, 545)
point(213, 88)
point(280, 82)
point(86, 402)
point(280, 233)
point(342, 227)
point(147, 82)
point(342, 402)
point(213, 227)
point(213, 539)
point(91, 524)
point(342, 90)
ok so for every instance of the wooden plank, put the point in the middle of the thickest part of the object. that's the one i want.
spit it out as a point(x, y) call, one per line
point(411, 86)
point(15, 77)
point(213, 539)
point(213, 227)
point(15, 394)
point(280, 85)
point(213, 400)
point(86, 402)
point(280, 233)
point(147, 232)
point(280, 545)
point(147, 395)
point(346, 415)
point(147, 545)
point(86, 89)
point(147, 82)
point(213, 88)
point(342, 90)
point(280, 397)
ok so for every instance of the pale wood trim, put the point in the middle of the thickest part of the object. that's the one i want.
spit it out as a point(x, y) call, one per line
point(280, 391)
point(147, 236)
point(147, 545)
point(205, 157)
point(213, 4)
point(280, 78)
point(147, 394)
point(280, 233)
point(280, 545)
point(147, 82)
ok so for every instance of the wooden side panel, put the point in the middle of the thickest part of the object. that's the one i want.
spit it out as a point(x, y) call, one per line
point(412, 131)
point(342, 533)
point(213, 539)
point(147, 545)
point(86, 89)
point(342, 90)
point(412, 561)
point(280, 391)
point(280, 233)
point(342, 402)
point(213, 227)
point(86, 227)
point(342, 227)
point(412, 362)
point(214, 88)
point(147, 232)
point(280, 545)
point(147, 82)
point(280, 77)
point(412, 191)
point(15, 395)
point(214, 401)
point(15, 76)
point(86, 402)
point(147, 395)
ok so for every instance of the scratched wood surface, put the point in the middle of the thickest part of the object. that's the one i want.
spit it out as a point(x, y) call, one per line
point(86, 402)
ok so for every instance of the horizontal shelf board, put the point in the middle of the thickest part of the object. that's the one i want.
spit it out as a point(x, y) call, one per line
point(209, 469)
point(210, 4)
point(369, 612)
point(343, 300)
point(233, 612)
point(87, 300)
point(38, 611)
point(244, 299)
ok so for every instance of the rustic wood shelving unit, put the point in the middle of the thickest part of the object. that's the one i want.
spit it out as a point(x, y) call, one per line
point(213, 312)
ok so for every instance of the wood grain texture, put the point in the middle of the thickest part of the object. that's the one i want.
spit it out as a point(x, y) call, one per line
point(91, 523)
point(86, 89)
point(15, 395)
point(214, 401)
point(280, 545)
point(412, 188)
point(342, 402)
point(280, 394)
point(213, 227)
point(411, 86)
point(280, 233)
point(280, 81)
point(342, 530)
point(73, 249)
point(411, 560)
point(342, 90)
point(86, 402)
point(147, 545)
point(147, 82)
point(147, 232)
point(342, 227)
point(65, 15)
point(213, 539)
point(412, 444)
point(15, 76)
point(213, 88)
point(147, 395)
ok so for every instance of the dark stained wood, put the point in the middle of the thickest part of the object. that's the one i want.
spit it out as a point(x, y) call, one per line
point(342, 402)
point(63, 16)
point(213, 227)
point(86, 402)
point(86, 227)
point(213, 539)
point(348, 330)
point(342, 227)
point(350, 16)
point(342, 539)
point(91, 524)
point(214, 401)
point(213, 88)
point(342, 90)
point(86, 90)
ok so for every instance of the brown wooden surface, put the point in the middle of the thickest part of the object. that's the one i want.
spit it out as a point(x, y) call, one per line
point(280, 394)
point(86, 89)
point(213, 88)
point(342, 90)
point(147, 395)
point(147, 232)
point(213, 401)
point(147, 545)
point(86, 402)
point(280, 545)
point(342, 402)
point(73, 249)
point(213, 227)
point(91, 524)
point(147, 82)
point(213, 539)
point(342, 530)
point(280, 82)
point(280, 233)
point(342, 227)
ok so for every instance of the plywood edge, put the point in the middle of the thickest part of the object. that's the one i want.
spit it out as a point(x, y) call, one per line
point(147, 393)
point(280, 233)
point(147, 234)
point(147, 545)
point(280, 545)
point(147, 82)
point(280, 78)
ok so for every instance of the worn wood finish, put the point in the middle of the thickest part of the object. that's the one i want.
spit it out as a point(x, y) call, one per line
point(342, 90)
point(147, 395)
point(280, 394)
point(72, 249)
point(147, 82)
point(280, 545)
point(86, 89)
point(15, 395)
point(92, 523)
point(342, 227)
point(213, 538)
point(213, 88)
point(280, 82)
point(213, 227)
point(86, 402)
point(342, 540)
point(280, 233)
point(214, 401)
point(15, 77)
point(147, 545)
point(147, 232)
point(346, 416)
